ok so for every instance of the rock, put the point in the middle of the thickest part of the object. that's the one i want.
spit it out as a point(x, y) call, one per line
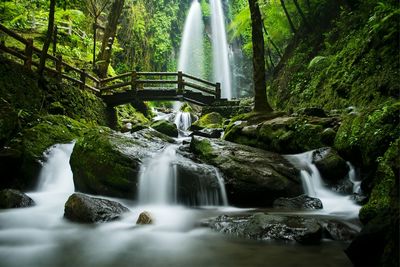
point(312, 234)
point(85, 209)
point(107, 163)
point(313, 111)
point(209, 121)
point(340, 231)
point(328, 136)
point(10, 198)
point(359, 199)
point(332, 167)
point(209, 133)
point(145, 218)
point(165, 127)
point(279, 133)
point(262, 226)
point(302, 202)
point(253, 177)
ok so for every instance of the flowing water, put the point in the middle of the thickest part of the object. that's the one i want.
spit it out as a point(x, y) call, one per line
point(191, 54)
point(39, 236)
point(183, 120)
point(221, 66)
point(333, 203)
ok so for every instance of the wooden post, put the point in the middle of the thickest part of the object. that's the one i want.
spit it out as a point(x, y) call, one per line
point(59, 68)
point(28, 53)
point(83, 79)
point(218, 91)
point(181, 86)
point(133, 81)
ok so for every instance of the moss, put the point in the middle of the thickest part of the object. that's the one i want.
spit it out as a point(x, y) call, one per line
point(165, 127)
point(186, 108)
point(202, 147)
point(127, 113)
point(209, 121)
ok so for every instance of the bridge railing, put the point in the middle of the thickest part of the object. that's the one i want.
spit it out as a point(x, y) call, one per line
point(30, 56)
point(178, 81)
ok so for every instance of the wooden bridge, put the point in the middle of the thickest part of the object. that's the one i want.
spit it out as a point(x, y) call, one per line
point(120, 89)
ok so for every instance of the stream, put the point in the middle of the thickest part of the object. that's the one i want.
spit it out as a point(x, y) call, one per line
point(40, 236)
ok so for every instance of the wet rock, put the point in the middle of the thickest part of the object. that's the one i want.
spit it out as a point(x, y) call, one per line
point(253, 177)
point(145, 218)
point(107, 163)
point(211, 120)
point(359, 199)
point(311, 235)
point(10, 198)
point(340, 231)
point(209, 133)
point(165, 127)
point(332, 167)
point(85, 209)
point(302, 202)
point(262, 226)
point(328, 136)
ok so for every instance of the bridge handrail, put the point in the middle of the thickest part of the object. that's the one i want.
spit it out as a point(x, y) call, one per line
point(99, 85)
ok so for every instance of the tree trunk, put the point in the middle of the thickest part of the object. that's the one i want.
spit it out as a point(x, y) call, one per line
point(47, 42)
point(288, 17)
point(104, 56)
point(303, 17)
point(260, 99)
point(94, 43)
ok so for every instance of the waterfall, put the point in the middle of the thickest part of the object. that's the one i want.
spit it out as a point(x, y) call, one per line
point(56, 174)
point(183, 120)
point(157, 181)
point(353, 179)
point(191, 54)
point(222, 72)
point(332, 202)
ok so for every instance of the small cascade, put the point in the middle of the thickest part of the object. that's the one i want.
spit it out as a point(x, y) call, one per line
point(157, 181)
point(191, 54)
point(56, 174)
point(353, 179)
point(224, 198)
point(183, 120)
point(222, 70)
point(333, 203)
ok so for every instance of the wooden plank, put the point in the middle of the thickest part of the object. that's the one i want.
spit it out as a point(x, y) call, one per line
point(12, 52)
point(12, 34)
point(92, 88)
point(199, 87)
point(115, 86)
point(92, 78)
point(199, 80)
point(157, 81)
point(157, 73)
point(71, 79)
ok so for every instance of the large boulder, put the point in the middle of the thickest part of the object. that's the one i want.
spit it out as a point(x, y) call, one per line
point(332, 167)
point(85, 209)
point(165, 127)
point(107, 163)
point(253, 177)
point(10, 198)
point(281, 133)
point(302, 202)
point(262, 226)
point(211, 120)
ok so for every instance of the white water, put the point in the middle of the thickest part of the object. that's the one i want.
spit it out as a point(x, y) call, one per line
point(183, 120)
point(222, 71)
point(191, 54)
point(353, 179)
point(332, 202)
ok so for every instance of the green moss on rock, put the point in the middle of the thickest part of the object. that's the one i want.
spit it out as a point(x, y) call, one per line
point(208, 121)
point(166, 127)
point(128, 114)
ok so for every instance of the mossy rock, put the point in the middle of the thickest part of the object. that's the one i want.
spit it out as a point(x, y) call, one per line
point(253, 177)
point(128, 114)
point(208, 121)
point(107, 163)
point(165, 127)
point(279, 133)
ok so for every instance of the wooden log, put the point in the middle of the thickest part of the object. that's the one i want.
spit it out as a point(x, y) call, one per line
point(157, 73)
point(199, 80)
point(200, 88)
point(28, 54)
point(115, 86)
point(218, 91)
point(12, 34)
point(106, 80)
point(12, 52)
point(157, 81)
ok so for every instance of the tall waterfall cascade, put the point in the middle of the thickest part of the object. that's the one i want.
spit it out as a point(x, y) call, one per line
point(222, 70)
point(332, 202)
point(191, 55)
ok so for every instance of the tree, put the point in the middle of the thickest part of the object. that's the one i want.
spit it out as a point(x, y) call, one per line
point(288, 16)
point(108, 38)
point(260, 99)
point(301, 13)
point(95, 8)
point(47, 42)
